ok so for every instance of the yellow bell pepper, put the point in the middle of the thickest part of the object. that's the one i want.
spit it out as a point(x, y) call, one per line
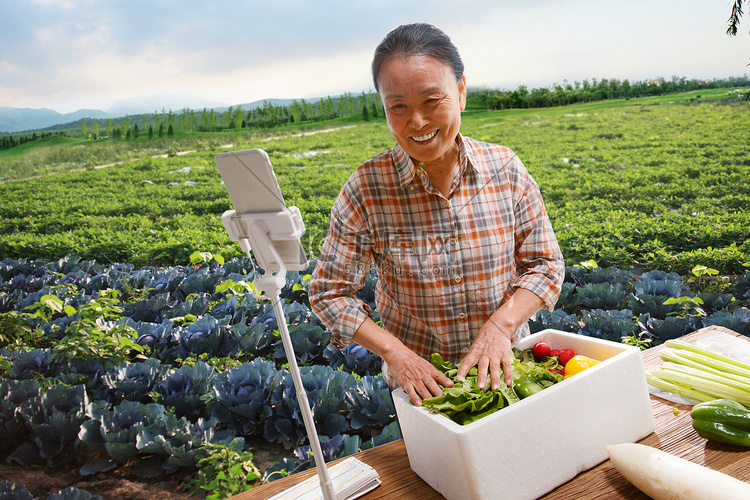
point(577, 364)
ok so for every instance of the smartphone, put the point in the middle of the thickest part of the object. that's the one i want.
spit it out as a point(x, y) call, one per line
point(252, 186)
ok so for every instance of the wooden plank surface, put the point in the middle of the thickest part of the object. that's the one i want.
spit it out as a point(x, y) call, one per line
point(674, 434)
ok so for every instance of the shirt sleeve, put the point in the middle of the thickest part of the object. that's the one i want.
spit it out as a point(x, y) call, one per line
point(540, 264)
point(341, 271)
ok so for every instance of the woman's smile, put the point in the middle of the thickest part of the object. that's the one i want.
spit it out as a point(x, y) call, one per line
point(426, 137)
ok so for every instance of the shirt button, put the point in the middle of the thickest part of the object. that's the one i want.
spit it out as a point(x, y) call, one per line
point(452, 241)
point(446, 204)
point(457, 279)
point(465, 350)
point(462, 316)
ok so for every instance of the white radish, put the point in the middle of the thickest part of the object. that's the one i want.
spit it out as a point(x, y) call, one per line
point(663, 476)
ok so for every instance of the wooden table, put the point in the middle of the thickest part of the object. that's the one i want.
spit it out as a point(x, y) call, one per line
point(674, 434)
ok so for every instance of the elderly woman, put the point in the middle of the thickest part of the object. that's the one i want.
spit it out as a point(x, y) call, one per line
point(456, 230)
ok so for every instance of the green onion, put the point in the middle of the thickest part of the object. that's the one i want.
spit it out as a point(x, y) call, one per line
point(727, 378)
point(682, 390)
point(674, 358)
point(717, 360)
point(705, 382)
point(700, 374)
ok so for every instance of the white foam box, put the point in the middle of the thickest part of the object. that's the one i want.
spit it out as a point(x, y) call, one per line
point(529, 448)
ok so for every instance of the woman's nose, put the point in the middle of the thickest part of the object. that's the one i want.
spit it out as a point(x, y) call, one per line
point(418, 120)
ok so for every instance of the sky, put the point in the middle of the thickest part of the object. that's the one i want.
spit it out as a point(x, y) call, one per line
point(89, 54)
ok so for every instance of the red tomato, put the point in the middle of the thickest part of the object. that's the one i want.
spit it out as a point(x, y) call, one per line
point(541, 350)
point(554, 352)
point(565, 356)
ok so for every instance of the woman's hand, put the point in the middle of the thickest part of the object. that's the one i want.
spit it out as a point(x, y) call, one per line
point(411, 372)
point(490, 350)
point(492, 347)
point(416, 375)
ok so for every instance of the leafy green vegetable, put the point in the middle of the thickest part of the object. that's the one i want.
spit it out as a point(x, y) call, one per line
point(465, 402)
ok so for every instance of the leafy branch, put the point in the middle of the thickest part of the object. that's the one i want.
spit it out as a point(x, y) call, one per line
point(224, 472)
point(734, 18)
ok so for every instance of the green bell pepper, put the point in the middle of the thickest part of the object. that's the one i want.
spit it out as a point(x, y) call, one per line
point(525, 388)
point(722, 420)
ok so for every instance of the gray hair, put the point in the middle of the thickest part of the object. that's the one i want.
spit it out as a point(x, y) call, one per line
point(417, 39)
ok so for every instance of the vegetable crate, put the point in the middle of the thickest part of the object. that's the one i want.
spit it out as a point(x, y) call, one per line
point(529, 448)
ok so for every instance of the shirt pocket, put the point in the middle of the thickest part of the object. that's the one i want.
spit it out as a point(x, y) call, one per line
point(422, 268)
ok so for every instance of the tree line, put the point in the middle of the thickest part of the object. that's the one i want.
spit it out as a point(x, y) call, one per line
point(166, 123)
point(595, 90)
point(268, 115)
point(10, 141)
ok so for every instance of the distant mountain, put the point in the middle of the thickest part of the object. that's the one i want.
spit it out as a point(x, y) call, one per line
point(256, 104)
point(20, 119)
point(157, 102)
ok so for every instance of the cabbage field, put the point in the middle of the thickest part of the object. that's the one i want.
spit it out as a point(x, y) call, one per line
point(132, 343)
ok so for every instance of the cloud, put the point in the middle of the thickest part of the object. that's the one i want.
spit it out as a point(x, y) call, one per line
point(85, 53)
point(128, 48)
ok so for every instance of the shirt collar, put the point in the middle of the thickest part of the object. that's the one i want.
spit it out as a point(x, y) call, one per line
point(466, 155)
point(406, 170)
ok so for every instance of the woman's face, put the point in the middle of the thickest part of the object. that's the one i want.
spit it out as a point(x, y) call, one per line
point(423, 101)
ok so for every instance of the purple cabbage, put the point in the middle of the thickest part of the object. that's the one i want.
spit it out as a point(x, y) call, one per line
point(134, 381)
point(14, 394)
point(203, 280)
point(54, 419)
point(33, 363)
point(601, 295)
point(353, 359)
point(243, 395)
point(188, 390)
point(114, 431)
point(181, 441)
point(326, 392)
point(739, 320)
point(370, 403)
point(608, 325)
point(568, 299)
point(669, 285)
point(339, 446)
point(742, 286)
point(668, 328)
point(390, 432)
point(652, 305)
point(308, 341)
point(87, 372)
point(148, 310)
point(555, 319)
point(12, 491)
point(72, 493)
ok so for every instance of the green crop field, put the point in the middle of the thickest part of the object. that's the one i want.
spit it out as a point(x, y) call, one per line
point(642, 183)
point(115, 309)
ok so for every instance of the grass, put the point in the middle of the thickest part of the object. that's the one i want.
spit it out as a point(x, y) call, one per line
point(626, 184)
point(41, 145)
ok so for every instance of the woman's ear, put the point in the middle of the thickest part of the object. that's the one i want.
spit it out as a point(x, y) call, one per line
point(462, 92)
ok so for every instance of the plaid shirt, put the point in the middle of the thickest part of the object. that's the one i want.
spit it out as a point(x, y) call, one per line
point(443, 265)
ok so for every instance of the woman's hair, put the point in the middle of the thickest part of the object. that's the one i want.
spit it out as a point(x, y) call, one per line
point(417, 40)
